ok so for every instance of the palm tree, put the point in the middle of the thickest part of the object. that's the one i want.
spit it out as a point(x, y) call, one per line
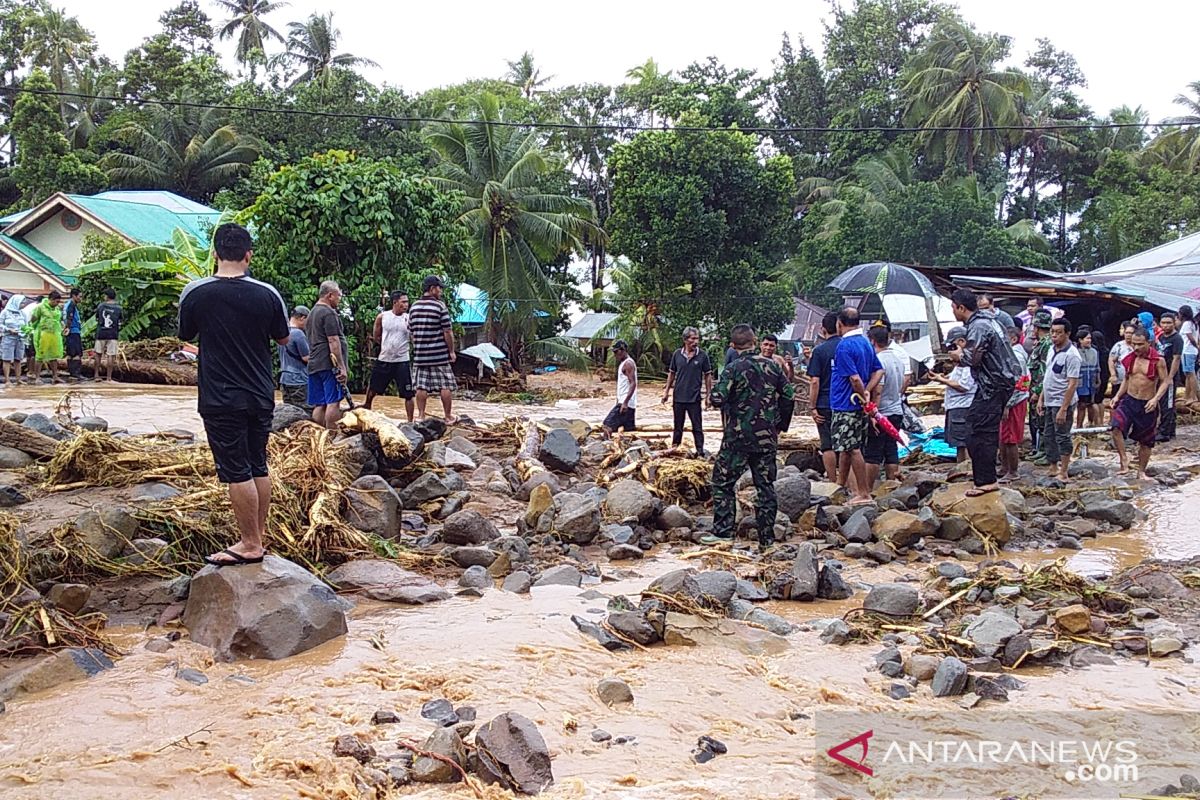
point(248, 25)
point(59, 44)
point(515, 226)
point(1178, 147)
point(870, 182)
point(88, 108)
point(649, 85)
point(311, 45)
point(525, 76)
point(1039, 138)
point(191, 151)
point(953, 85)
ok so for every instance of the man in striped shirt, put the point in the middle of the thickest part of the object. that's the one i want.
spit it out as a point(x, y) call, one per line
point(432, 348)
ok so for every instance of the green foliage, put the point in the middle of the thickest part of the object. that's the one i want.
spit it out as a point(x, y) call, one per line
point(703, 221)
point(713, 94)
point(799, 99)
point(45, 163)
point(248, 24)
point(311, 50)
point(367, 224)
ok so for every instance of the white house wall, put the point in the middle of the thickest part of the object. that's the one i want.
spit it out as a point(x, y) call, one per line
point(62, 245)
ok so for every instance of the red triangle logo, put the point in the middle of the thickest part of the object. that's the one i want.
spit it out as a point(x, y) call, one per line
point(861, 740)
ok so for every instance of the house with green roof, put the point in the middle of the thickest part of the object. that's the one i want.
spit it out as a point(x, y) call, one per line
point(40, 245)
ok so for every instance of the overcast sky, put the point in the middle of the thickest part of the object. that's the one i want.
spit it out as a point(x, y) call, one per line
point(1141, 53)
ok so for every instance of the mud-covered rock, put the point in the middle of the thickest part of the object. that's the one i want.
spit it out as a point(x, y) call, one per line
point(513, 753)
point(629, 499)
point(372, 506)
point(469, 528)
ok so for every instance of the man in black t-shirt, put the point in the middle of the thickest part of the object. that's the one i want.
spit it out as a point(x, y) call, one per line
point(689, 367)
point(108, 330)
point(236, 319)
point(1170, 345)
point(820, 374)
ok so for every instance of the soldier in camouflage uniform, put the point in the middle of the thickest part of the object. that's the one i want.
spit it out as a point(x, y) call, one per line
point(1037, 372)
point(756, 402)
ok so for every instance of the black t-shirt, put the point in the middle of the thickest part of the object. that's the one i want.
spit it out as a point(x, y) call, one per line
point(323, 322)
point(237, 321)
point(108, 320)
point(689, 375)
point(1171, 347)
point(821, 366)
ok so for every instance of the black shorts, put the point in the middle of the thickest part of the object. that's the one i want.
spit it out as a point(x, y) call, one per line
point(616, 420)
point(825, 429)
point(238, 440)
point(881, 448)
point(74, 345)
point(384, 373)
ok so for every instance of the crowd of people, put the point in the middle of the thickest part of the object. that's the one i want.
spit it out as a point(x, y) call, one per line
point(36, 333)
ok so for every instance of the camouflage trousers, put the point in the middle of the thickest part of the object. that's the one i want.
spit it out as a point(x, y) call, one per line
point(729, 466)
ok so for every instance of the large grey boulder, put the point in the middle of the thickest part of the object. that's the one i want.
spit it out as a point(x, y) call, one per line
point(285, 416)
point(429, 486)
point(802, 581)
point(447, 743)
point(991, 631)
point(794, 494)
point(893, 599)
point(628, 499)
point(270, 610)
point(373, 506)
point(46, 426)
point(107, 531)
point(11, 458)
point(513, 753)
point(469, 528)
point(576, 517)
point(560, 451)
point(387, 581)
point(1097, 505)
point(65, 666)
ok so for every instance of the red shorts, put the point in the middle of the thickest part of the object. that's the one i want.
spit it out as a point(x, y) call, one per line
point(1012, 424)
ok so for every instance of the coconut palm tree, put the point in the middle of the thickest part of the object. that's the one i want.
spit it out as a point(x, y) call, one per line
point(1178, 147)
point(516, 227)
point(954, 86)
point(525, 76)
point(649, 85)
point(59, 44)
point(190, 151)
point(312, 46)
point(248, 25)
point(88, 108)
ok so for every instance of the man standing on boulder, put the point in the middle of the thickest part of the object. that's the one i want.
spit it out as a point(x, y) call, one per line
point(235, 318)
point(1135, 409)
point(1056, 403)
point(756, 401)
point(995, 370)
point(392, 364)
point(327, 368)
point(432, 348)
point(856, 373)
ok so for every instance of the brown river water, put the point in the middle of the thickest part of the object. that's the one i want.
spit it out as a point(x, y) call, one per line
point(265, 729)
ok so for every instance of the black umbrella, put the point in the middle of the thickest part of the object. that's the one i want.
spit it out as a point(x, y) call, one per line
point(881, 278)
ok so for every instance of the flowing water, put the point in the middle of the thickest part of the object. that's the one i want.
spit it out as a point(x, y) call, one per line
point(265, 729)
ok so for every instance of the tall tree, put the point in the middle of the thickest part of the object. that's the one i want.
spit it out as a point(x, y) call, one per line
point(516, 226)
point(248, 24)
point(526, 76)
point(953, 88)
point(188, 150)
point(18, 16)
point(717, 95)
point(650, 85)
point(90, 105)
point(60, 45)
point(1179, 145)
point(799, 100)
point(312, 48)
point(189, 27)
point(45, 163)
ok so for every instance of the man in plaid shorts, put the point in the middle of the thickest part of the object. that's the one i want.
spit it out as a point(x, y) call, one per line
point(432, 348)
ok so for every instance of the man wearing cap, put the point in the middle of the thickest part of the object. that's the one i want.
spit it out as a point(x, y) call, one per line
point(624, 413)
point(995, 370)
point(432, 348)
point(1039, 346)
point(293, 361)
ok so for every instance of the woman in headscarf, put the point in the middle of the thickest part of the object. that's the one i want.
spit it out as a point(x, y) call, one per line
point(12, 338)
point(47, 325)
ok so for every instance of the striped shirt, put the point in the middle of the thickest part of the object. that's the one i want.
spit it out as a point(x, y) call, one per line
point(428, 320)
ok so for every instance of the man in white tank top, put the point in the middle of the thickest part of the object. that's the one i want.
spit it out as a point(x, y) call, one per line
point(392, 365)
point(622, 415)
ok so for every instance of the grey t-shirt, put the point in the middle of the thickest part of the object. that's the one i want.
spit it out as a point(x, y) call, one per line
point(1061, 366)
point(893, 382)
point(323, 322)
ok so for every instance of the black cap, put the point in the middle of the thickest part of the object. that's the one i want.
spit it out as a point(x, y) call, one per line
point(619, 344)
point(430, 282)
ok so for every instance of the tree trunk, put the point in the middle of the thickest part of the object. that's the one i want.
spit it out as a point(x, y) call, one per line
point(26, 440)
point(1062, 221)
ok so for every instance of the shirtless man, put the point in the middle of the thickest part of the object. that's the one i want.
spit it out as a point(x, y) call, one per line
point(1135, 406)
point(769, 348)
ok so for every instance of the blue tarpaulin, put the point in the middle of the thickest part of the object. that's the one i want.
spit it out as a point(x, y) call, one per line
point(932, 442)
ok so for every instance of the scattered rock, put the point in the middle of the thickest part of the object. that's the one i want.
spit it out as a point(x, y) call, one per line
point(192, 676)
point(476, 578)
point(893, 599)
point(540, 501)
point(986, 512)
point(717, 586)
point(1016, 649)
point(836, 632)
point(747, 612)
point(518, 583)
point(107, 531)
point(72, 664)
point(599, 736)
point(543, 478)
point(675, 517)
point(1164, 645)
point(445, 742)
point(634, 626)
point(794, 495)
point(831, 585)
point(560, 451)
point(991, 631)
point(629, 499)
point(921, 667)
point(469, 528)
point(950, 677)
point(473, 556)
point(858, 528)
point(562, 575)
point(47, 427)
point(70, 597)
point(385, 580)
point(576, 518)
point(513, 753)
point(385, 717)
point(950, 571)
point(681, 582)
point(159, 644)
point(613, 691)
point(1159, 584)
point(1098, 505)
point(898, 528)
point(603, 637)
point(802, 581)
point(270, 610)
point(11, 496)
point(751, 591)
point(898, 691)
point(11, 458)
point(285, 416)
point(429, 486)
point(625, 552)
point(1086, 468)
point(148, 551)
point(1074, 619)
point(372, 506)
point(689, 630)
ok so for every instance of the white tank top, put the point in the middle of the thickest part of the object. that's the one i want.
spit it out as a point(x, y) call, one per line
point(395, 338)
point(623, 384)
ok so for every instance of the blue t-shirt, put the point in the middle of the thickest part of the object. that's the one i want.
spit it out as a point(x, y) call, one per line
point(855, 356)
point(293, 370)
point(71, 316)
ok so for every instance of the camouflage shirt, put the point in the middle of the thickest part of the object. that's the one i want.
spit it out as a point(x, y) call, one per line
point(1037, 365)
point(756, 402)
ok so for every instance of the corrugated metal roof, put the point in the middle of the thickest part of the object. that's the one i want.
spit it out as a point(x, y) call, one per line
point(146, 222)
point(36, 256)
point(167, 200)
point(591, 325)
point(1168, 276)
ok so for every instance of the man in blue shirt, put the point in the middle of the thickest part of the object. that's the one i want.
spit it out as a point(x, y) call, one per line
point(293, 361)
point(856, 371)
point(72, 334)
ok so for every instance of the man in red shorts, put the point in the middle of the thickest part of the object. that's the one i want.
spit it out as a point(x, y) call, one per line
point(1012, 424)
point(1135, 406)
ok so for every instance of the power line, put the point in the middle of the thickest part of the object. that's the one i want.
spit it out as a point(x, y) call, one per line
point(611, 127)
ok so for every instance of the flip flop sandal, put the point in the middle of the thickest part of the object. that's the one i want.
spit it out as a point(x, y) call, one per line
point(236, 560)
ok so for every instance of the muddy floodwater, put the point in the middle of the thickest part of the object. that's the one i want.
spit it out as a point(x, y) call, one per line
point(265, 729)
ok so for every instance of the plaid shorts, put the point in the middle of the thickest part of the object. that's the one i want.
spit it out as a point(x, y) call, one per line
point(849, 431)
point(433, 378)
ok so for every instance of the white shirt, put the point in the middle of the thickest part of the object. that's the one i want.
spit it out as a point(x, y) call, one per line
point(1118, 353)
point(896, 349)
point(623, 383)
point(1189, 327)
point(956, 398)
point(394, 346)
